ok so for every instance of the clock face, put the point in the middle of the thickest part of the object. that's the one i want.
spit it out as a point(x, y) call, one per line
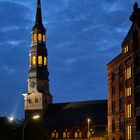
point(32, 84)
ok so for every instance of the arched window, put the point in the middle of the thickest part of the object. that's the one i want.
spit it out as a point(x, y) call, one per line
point(44, 38)
point(53, 135)
point(113, 125)
point(33, 60)
point(76, 134)
point(39, 60)
point(80, 134)
point(57, 135)
point(39, 37)
point(35, 38)
point(45, 61)
point(68, 134)
point(64, 135)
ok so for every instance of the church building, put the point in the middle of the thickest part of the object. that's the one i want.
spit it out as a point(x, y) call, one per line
point(72, 120)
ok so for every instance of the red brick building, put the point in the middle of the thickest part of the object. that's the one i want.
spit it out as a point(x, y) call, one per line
point(124, 86)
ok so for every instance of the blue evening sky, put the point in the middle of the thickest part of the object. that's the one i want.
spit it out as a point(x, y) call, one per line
point(82, 37)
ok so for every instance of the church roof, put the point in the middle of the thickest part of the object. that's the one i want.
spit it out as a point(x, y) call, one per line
point(76, 113)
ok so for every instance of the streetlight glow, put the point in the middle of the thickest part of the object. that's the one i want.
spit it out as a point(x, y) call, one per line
point(10, 119)
point(88, 119)
point(36, 117)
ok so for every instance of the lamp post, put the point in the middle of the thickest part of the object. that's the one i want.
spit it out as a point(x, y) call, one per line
point(88, 121)
point(34, 118)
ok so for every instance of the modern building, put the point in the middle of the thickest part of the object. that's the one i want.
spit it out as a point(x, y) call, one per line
point(124, 86)
point(73, 120)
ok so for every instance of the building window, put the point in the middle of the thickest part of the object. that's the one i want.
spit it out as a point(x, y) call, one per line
point(121, 84)
point(113, 125)
point(129, 110)
point(30, 101)
point(121, 103)
point(64, 135)
point(121, 124)
point(45, 61)
point(35, 38)
point(128, 91)
point(36, 100)
point(33, 60)
point(121, 70)
point(129, 132)
point(44, 38)
point(126, 49)
point(128, 73)
point(39, 60)
point(54, 134)
point(68, 134)
point(80, 134)
point(113, 106)
point(76, 134)
point(39, 37)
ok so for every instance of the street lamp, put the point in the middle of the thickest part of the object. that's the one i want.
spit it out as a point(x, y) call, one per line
point(88, 121)
point(35, 117)
point(11, 119)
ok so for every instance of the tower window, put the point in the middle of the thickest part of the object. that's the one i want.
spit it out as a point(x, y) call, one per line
point(45, 61)
point(35, 38)
point(44, 38)
point(39, 37)
point(39, 60)
point(33, 60)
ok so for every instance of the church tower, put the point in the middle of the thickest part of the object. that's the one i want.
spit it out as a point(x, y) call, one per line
point(38, 97)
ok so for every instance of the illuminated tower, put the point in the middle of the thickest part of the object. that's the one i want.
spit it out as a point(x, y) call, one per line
point(38, 97)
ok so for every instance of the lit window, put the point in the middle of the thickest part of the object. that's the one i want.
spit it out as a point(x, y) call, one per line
point(80, 134)
point(35, 37)
point(64, 134)
point(44, 38)
point(128, 73)
point(39, 37)
point(129, 132)
point(53, 135)
point(128, 91)
point(126, 49)
point(129, 110)
point(68, 134)
point(76, 135)
point(45, 61)
point(39, 60)
point(57, 135)
point(33, 60)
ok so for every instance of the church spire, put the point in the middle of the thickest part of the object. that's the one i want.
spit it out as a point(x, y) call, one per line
point(38, 14)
